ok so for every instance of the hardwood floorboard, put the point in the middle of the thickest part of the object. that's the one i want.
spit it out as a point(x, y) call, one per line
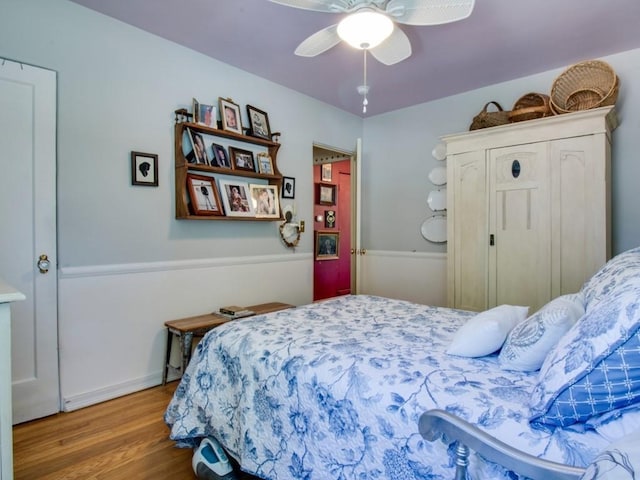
point(122, 439)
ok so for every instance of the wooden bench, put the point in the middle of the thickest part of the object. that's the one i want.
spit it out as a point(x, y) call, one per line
point(185, 329)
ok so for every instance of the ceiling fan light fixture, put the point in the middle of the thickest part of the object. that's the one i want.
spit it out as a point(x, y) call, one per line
point(365, 29)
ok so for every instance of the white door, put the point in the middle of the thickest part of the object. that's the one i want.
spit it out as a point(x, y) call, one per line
point(28, 220)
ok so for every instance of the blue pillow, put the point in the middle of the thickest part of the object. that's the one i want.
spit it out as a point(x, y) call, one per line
point(595, 368)
point(611, 278)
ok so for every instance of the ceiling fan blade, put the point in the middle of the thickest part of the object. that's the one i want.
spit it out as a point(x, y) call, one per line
point(319, 42)
point(316, 5)
point(429, 12)
point(394, 49)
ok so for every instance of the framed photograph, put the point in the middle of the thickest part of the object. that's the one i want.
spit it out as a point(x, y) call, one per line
point(230, 115)
point(329, 219)
point(236, 198)
point(265, 200)
point(220, 158)
point(265, 164)
point(326, 172)
point(242, 159)
point(259, 123)
point(144, 169)
point(327, 244)
point(326, 194)
point(199, 150)
point(205, 114)
point(288, 187)
point(204, 195)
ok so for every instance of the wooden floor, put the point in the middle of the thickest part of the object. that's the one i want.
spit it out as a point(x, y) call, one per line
point(122, 439)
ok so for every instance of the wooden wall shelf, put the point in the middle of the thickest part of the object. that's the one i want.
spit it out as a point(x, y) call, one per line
point(183, 167)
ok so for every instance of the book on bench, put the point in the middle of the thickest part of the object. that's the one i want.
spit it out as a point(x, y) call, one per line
point(234, 311)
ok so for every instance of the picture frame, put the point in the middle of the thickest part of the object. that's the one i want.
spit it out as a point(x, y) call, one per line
point(327, 245)
point(325, 172)
point(265, 200)
point(242, 159)
point(220, 157)
point(199, 153)
point(326, 194)
point(205, 114)
point(230, 115)
point(236, 198)
point(265, 164)
point(259, 122)
point(288, 187)
point(204, 196)
point(144, 169)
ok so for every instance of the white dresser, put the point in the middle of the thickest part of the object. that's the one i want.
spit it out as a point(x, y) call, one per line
point(528, 207)
point(7, 295)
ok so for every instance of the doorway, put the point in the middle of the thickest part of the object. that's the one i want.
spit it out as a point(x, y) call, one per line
point(28, 240)
point(333, 223)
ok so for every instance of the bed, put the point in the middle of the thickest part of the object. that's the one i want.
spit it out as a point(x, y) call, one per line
point(339, 389)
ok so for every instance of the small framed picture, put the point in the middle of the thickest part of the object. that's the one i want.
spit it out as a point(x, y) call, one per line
point(144, 169)
point(259, 123)
point(265, 200)
point(199, 152)
point(326, 172)
point(242, 159)
point(230, 115)
point(288, 187)
point(204, 195)
point(329, 219)
point(326, 194)
point(236, 198)
point(327, 244)
point(220, 158)
point(265, 164)
point(204, 114)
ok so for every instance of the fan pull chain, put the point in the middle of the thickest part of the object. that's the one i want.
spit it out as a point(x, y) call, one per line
point(365, 89)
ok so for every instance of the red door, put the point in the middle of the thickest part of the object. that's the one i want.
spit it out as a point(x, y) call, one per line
point(332, 273)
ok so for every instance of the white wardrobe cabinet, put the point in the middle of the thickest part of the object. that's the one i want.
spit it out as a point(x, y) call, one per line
point(528, 208)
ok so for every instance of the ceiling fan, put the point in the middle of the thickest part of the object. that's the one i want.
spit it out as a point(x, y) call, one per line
point(384, 40)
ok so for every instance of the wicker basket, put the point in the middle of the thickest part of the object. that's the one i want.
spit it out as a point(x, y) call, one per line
point(531, 106)
point(486, 119)
point(583, 86)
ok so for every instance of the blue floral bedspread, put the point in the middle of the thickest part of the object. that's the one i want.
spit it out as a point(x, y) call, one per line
point(334, 390)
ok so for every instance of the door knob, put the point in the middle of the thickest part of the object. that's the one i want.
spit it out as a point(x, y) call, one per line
point(43, 263)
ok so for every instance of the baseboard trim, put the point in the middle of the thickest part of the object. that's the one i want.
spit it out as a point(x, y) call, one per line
point(100, 395)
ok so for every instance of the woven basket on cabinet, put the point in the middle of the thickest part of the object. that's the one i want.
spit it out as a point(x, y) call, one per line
point(585, 85)
point(486, 119)
point(531, 106)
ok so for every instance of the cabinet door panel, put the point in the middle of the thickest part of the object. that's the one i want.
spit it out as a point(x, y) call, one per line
point(580, 210)
point(519, 262)
point(468, 230)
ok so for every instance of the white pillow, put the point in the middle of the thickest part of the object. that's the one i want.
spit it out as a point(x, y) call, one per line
point(485, 333)
point(529, 342)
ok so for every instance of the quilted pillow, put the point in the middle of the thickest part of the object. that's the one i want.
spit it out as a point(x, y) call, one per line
point(529, 342)
point(595, 368)
point(611, 278)
point(485, 333)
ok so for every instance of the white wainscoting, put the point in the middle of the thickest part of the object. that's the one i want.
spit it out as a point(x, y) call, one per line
point(111, 318)
point(417, 277)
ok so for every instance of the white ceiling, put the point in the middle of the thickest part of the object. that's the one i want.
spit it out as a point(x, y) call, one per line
point(501, 40)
